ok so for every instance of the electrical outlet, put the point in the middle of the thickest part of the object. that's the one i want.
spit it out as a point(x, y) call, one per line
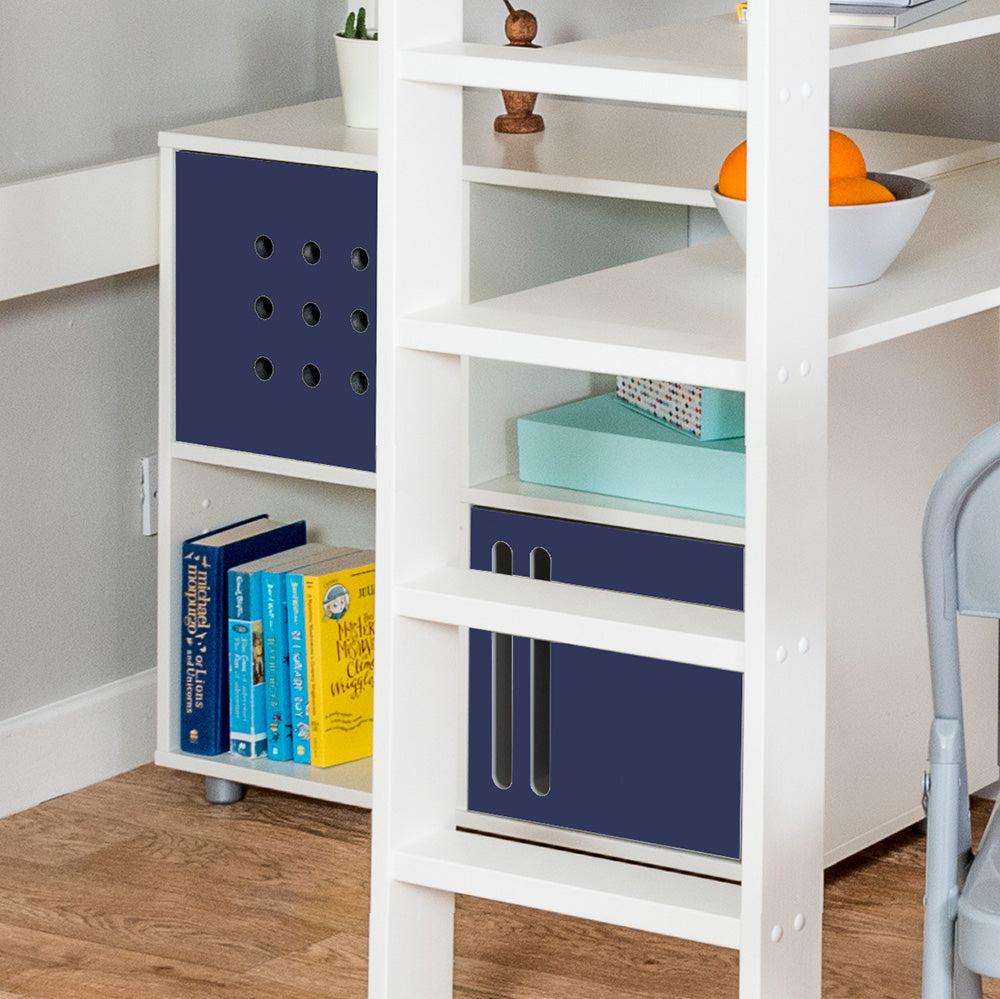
point(149, 489)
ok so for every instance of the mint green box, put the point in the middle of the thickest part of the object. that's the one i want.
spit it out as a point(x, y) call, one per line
point(597, 445)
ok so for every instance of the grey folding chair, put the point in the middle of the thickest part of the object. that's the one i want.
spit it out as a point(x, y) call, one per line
point(961, 552)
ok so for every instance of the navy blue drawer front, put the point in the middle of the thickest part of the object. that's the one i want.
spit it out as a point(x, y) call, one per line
point(604, 742)
point(275, 308)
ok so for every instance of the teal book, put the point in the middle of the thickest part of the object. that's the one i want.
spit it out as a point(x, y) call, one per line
point(248, 688)
point(297, 668)
point(204, 665)
point(277, 678)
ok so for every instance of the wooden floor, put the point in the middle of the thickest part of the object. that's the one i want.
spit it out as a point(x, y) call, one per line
point(136, 888)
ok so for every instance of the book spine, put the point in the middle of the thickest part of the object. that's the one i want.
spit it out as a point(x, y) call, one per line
point(203, 679)
point(247, 729)
point(340, 628)
point(298, 669)
point(277, 679)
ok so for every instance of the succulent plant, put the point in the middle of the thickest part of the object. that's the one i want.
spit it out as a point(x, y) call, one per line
point(356, 28)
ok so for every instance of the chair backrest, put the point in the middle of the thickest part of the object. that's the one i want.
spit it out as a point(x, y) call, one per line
point(977, 548)
point(961, 551)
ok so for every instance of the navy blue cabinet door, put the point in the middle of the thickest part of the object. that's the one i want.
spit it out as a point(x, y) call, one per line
point(604, 742)
point(275, 300)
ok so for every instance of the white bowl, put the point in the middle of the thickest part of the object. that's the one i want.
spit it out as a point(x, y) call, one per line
point(864, 239)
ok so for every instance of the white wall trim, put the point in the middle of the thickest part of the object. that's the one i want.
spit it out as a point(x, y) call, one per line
point(78, 226)
point(76, 742)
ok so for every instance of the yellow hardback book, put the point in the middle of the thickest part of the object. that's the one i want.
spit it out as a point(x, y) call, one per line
point(339, 598)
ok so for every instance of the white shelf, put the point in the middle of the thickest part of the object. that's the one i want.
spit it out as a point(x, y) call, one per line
point(613, 321)
point(577, 615)
point(699, 64)
point(609, 891)
point(313, 133)
point(509, 493)
point(590, 69)
point(269, 464)
point(347, 784)
point(655, 154)
point(681, 315)
point(972, 19)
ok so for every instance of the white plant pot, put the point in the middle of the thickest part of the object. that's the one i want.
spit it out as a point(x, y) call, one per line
point(357, 64)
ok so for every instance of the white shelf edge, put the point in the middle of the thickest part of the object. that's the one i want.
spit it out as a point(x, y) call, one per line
point(557, 70)
point(609, 891)
point(595, 186)
point(314, 134)
point(578, 615)
point(508, 492)
point(248, 461)
point(663, 857)
point(969, 20)
point(347, 784)
point(494, 333)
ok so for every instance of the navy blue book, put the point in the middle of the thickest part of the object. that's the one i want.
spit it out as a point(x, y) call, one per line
point(206, 561)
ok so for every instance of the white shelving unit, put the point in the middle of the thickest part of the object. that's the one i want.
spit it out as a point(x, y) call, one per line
point(203, 487)
point(839, 440)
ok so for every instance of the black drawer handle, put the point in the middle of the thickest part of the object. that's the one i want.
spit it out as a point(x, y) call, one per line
point(541, 692)
point(503, 685)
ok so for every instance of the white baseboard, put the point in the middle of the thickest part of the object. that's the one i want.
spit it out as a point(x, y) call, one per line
point(71, 744)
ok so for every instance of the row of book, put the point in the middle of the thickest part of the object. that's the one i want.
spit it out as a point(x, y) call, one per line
point(890, 14)
point(277, 645)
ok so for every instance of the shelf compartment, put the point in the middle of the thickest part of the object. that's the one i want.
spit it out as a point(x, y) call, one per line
point(680, 315)
point(658, 155)
point(699, 64)
point(612, 321)
point(577, 615)
point(609, 891)
point(948, 270)
point(347, 784)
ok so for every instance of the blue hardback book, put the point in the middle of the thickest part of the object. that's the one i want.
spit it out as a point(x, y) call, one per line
point(204, 664)
point(249, 686)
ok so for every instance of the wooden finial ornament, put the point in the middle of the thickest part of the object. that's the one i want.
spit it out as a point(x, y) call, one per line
point(520, 28)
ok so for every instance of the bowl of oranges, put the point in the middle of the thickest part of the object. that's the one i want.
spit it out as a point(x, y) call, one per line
point(872, 215)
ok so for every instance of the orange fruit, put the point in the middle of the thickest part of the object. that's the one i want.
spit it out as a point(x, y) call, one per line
point(845, 157)
point(858, 191)
point(733, 174)
point(846, 160)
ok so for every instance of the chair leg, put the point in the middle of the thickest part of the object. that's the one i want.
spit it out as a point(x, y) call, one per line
point(968, 985)
point(943, 836)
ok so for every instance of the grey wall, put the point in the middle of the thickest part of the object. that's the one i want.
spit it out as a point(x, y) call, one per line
point(85, 82)
point(89, 81)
